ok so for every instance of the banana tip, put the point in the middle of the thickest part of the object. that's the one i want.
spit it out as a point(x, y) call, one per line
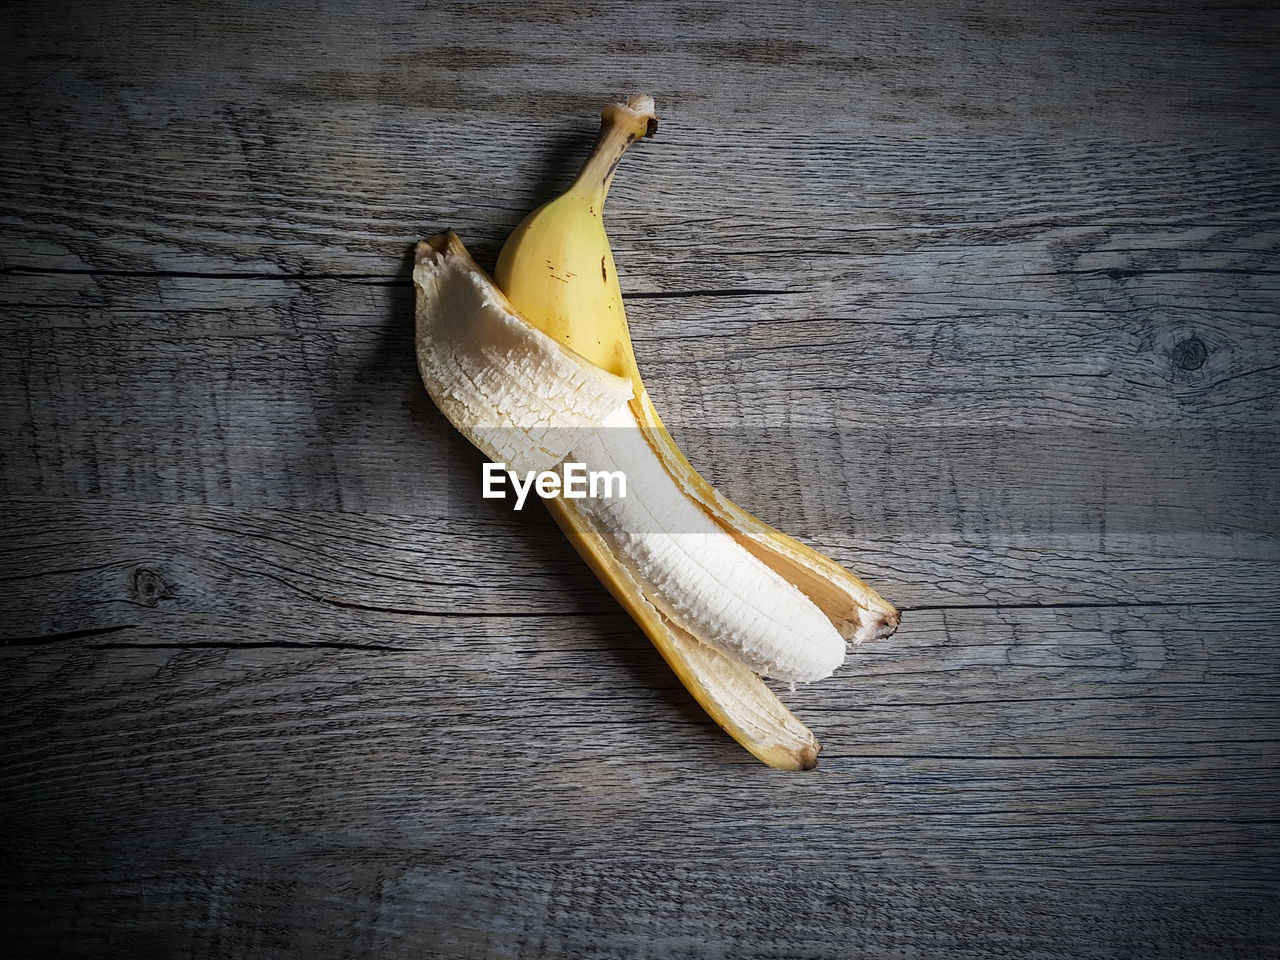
point(636, 109)
point(808, 757)
point(433, 248)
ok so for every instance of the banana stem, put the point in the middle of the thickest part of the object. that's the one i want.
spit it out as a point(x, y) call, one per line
point(621, 124)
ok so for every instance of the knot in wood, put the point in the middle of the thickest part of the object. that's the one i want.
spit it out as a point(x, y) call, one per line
point(149, 587)
point(1190, 354)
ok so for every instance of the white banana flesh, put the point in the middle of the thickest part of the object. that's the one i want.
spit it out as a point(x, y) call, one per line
point(528, 401)
point(697, 575)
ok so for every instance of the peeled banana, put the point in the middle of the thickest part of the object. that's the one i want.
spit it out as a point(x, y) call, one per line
point(536, 368)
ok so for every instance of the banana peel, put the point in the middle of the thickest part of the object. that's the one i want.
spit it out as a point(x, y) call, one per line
point(556, 276)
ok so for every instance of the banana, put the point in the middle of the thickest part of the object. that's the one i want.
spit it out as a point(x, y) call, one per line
point(725, 598)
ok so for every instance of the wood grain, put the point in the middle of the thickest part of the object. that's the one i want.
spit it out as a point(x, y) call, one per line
point(980, 300)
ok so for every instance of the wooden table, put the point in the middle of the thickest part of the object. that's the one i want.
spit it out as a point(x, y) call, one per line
point(981, 300)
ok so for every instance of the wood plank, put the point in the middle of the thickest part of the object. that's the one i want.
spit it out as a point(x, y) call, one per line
point(759, 360)
point(70, 566)
point(658, 909)
point(1105, 687)
point(700, 208)
point(302, 395)
point(1195, 70)
point(973, 750)
point(755, 181)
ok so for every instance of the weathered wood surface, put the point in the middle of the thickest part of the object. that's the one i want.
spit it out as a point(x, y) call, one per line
point(980, 300)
